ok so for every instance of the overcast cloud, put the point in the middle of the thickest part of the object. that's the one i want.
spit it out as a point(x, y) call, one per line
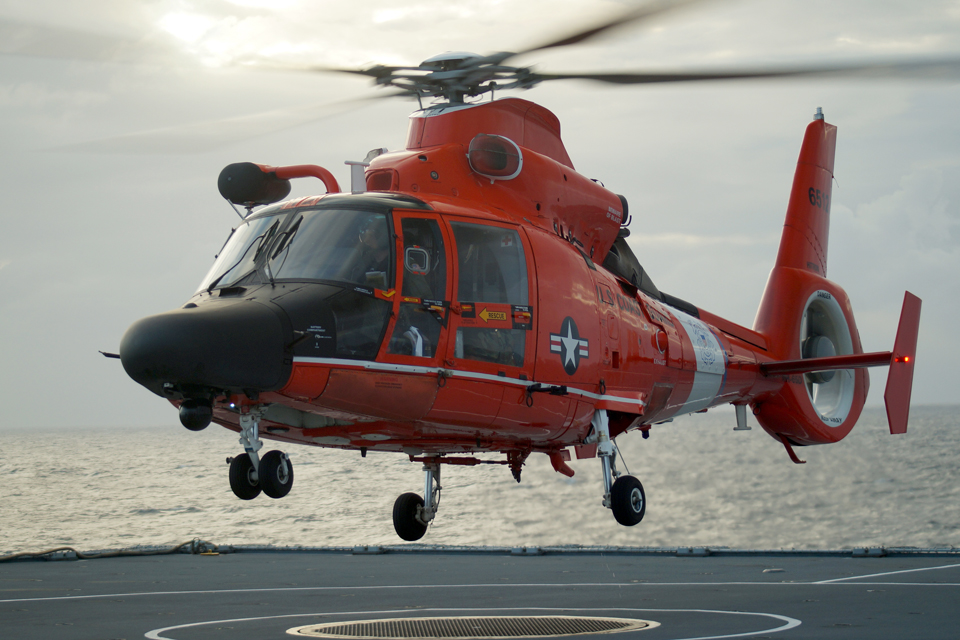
point(92, 241)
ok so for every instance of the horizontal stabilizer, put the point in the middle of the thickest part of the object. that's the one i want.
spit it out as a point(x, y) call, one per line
point(900, 379)
point(831, 363)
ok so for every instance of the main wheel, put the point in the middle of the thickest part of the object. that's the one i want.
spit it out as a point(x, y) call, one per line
point(243, 478)
point(405, 520)
point(628, 500)
point(275, 480)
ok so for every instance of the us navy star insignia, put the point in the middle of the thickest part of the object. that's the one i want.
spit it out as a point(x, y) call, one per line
point(569, 345)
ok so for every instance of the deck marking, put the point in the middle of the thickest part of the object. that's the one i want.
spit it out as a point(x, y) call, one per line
point(887, 573)
point(496, 586)
point(789, 623)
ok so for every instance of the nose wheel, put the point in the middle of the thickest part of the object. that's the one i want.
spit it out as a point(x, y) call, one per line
point(249, 473)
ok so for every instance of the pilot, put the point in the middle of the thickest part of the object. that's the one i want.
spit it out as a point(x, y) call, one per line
point(373, 253)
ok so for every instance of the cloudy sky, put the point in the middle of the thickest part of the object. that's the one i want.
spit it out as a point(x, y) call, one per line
point(111, 146)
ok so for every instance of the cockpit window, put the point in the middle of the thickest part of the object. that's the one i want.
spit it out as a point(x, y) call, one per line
point(339, 245)
point(240, 253)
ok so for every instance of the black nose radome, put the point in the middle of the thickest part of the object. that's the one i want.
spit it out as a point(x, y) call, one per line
point(232, 346)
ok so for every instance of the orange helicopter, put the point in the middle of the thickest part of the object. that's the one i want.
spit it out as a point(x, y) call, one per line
point(473, 294)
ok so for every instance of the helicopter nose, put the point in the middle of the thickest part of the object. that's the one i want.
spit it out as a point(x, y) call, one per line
point(236, 346)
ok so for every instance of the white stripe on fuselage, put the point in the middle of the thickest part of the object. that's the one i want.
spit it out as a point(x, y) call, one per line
point(711, 363)
point(456, 373)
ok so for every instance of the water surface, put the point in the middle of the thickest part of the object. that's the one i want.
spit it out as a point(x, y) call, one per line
point(706, 485)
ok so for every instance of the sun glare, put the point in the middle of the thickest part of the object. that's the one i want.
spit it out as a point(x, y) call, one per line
point(186, 26)
point(389, 15)
point(264, 4)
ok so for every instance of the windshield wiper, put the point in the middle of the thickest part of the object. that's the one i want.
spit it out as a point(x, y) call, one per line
point(285, 242)
point(265, 239)
point(286, 238)
point(237, 263)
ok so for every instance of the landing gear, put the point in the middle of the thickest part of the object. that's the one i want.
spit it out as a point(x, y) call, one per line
point(628, 501)
point(411, 513)
point(276, 474)
point(406, 517)
point(622, 494)
point(243, 478)
point(249, 474)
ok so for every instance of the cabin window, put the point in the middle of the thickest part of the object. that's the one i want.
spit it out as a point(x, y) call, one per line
point(492, 279)
point(424, 260)
point(360, 321)
point(423, 267)
point(492, 265)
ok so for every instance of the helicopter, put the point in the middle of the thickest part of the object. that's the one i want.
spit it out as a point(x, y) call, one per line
point(474, 294)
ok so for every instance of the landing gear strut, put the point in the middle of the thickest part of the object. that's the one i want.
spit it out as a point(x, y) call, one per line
point(621, 493)
point(250, 474)
point(411, 513)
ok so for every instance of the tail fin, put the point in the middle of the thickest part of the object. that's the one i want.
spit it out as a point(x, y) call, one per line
point(900, 379)
point(806, 230)
point(801, 265)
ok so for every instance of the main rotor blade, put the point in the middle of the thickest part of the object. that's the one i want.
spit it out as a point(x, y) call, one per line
point(200, 137)
point(376, 71)
point(41, 41)
point(638, 14)
point(915, 69)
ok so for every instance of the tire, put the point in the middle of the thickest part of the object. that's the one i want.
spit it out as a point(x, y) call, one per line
point(241, 478)
point(405, 520)
point(274, 481)
point(628, 501)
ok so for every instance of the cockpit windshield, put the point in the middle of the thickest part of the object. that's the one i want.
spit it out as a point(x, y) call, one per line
point(336, 245)
point(239, 255)
point(339, 245)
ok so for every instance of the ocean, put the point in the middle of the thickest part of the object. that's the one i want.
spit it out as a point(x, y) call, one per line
point(706, 485)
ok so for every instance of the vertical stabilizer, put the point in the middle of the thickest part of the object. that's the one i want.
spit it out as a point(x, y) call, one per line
point(900, 379)
point(806, 230)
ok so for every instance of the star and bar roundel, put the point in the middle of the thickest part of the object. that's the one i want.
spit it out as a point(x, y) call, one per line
point(569, 345)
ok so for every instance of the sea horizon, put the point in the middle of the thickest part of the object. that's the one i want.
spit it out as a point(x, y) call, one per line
point(706, 486)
